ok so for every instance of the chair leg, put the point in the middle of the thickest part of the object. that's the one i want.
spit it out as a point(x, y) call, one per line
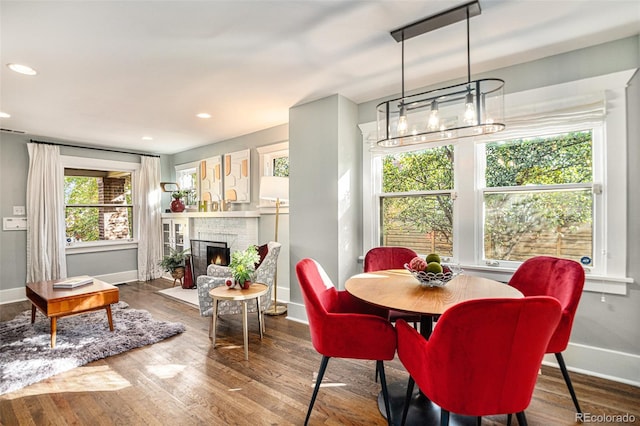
point(323, 367)
point(385, 392)
point(522, 419)
point(407, 400)
point(567, 380)
point(444, 417)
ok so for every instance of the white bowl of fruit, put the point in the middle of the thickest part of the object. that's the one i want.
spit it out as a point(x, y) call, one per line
point(430, 272)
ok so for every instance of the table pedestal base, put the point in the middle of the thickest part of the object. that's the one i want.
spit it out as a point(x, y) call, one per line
point(422, 412)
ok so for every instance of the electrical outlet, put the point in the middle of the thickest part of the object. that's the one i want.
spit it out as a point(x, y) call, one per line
point(19, 211)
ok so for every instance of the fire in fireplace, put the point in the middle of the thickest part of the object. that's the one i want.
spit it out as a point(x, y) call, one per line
point(218, 255)
point(204, 253)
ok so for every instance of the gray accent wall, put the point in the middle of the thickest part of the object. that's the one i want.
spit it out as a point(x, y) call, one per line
point(325, 190)
point(14, 166)
point(14, 160)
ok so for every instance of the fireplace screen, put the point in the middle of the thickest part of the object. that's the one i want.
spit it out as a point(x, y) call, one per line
point(204, 253)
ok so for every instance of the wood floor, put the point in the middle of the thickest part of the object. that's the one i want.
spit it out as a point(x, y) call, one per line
point(184, 381)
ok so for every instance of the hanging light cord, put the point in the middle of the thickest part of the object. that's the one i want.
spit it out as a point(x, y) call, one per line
point(468, 51)
point(403, 66)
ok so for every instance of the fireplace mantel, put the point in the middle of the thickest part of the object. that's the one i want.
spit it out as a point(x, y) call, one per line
point(238, 229)
point(187, 215)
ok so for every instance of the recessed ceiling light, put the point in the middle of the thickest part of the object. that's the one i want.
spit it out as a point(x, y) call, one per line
point(147, 138)
point(22, 69)
point(4, 115)
point(203, 115)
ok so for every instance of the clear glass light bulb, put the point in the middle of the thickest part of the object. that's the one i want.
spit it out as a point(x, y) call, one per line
point(469, 111)
point(434, 118)
point(402, 121)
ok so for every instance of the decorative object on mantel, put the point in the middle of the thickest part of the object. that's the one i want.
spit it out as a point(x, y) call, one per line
point(275, 188)
point(169, 186)
point(237, 176)
point(177, 205)
point(469, 109)
point(174, 262)
point(27, 357)
point(243, 266)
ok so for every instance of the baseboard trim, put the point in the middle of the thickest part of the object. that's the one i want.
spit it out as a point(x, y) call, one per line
point(18, 294)
point(296, 312)
point(600, 362)
point(119, 277)
point(283, 295)
point(12, 295)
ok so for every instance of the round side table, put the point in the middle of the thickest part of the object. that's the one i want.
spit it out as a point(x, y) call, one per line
point(242, 295)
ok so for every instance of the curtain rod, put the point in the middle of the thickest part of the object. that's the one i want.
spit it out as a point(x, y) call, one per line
point(95, 148)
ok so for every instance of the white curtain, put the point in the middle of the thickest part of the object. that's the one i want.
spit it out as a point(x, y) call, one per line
point(147, 212)
point(45, 214)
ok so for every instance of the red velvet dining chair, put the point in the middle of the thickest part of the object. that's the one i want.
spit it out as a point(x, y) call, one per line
point(343, 326)
point(562, 279)
point(381, 258)
point(483, 356)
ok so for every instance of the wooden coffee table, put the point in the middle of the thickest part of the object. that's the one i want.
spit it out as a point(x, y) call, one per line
point(55, 303)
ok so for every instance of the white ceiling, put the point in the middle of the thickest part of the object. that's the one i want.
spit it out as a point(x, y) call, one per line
point(110, 72)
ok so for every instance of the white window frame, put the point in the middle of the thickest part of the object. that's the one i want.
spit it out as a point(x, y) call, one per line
point(598, 208)
point(266, 155)
point(188, 168)
point(610, 232)
point(106, 165)
point(269, 153)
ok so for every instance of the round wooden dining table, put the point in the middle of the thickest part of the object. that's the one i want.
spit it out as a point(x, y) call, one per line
point(399, 290)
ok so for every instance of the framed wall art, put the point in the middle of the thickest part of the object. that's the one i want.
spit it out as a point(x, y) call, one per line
point(210, 172)
point(237, 177)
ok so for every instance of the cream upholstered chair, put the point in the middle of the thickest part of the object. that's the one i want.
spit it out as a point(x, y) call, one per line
point(218, 275)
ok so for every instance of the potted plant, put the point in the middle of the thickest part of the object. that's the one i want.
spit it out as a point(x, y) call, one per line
point(174, 262)
point(243, 266)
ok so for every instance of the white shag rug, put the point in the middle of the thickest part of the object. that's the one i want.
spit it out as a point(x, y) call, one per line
point(26, 356)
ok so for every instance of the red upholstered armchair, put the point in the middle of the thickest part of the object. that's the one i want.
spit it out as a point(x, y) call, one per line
point(342, 326)
point(483, 356)
point(562, 279)
point(380, 258)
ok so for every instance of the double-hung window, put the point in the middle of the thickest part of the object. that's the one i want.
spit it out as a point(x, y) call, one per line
point(553, 183)
point(415, 203)
point(98, 205)
point(539, 197)
point(99, 202)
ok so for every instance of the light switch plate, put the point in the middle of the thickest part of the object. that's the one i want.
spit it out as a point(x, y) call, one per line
point(19, 211)
point(14, 223)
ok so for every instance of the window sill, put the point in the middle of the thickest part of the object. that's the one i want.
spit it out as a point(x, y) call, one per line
point(593, 283)
point(99, 246)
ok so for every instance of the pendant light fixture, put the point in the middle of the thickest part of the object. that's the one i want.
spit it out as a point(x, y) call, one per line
point(468, 109)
